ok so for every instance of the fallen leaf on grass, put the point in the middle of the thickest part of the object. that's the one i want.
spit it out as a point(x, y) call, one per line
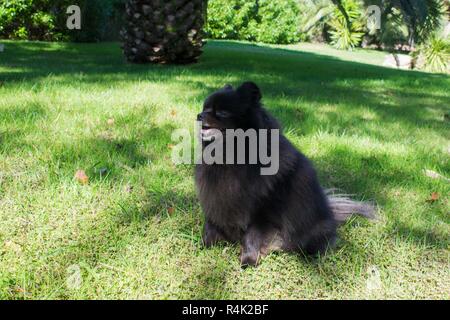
point(10, 245)
point(397, 193)
point(170, 210)
point(18, 289)
point(434, 197)
point(128, 188)
point(81, 177)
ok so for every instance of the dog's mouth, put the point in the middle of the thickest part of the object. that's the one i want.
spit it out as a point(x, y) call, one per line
point(208, 133)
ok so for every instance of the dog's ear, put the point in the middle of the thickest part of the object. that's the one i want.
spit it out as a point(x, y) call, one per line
point(250, 90)
point(228, 87)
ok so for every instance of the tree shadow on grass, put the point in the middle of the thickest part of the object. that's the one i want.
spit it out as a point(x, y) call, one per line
point(15, 123)
point(162, 204)
point(107, 157)
point(371, 175)
point(294, 74)
point(299, 78)
point(420, 235)
point(207, 281)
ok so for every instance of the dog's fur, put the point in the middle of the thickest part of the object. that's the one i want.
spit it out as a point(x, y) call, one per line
point(287, 211)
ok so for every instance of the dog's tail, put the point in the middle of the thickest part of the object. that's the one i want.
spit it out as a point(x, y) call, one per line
point(344, 207)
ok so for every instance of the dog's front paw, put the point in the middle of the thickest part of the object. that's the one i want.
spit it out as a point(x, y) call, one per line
point(208, 240)
point(211, 236)
point(249, 259)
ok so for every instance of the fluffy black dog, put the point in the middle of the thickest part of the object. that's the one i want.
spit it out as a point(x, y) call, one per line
point(287, 211)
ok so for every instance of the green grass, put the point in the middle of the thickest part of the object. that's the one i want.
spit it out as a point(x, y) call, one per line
point(356, 55)
point(371, 131)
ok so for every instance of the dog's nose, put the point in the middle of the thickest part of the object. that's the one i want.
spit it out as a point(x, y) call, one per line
point(200, 117)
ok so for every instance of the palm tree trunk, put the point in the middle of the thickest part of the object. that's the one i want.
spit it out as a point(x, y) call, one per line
point(164, 31)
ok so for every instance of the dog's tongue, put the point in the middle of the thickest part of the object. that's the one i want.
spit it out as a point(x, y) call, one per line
point(207, 134)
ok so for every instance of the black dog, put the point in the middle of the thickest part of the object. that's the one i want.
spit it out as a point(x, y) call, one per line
point(286, 211)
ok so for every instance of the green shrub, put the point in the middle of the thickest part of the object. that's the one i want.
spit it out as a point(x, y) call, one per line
point(229, 19)
point(29, 19)
point(13, 18)
point(434, 55)
point(393, 30)
point(342, 35)
point(279, 21)
point(46, 19)
point(97, 17)
point(269, 21)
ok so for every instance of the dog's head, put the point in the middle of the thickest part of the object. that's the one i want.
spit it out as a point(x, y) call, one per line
point(230, 108)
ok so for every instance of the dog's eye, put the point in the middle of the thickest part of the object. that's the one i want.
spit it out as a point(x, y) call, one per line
point(223, 114)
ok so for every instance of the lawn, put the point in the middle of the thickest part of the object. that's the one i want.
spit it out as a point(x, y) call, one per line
point(134, 230)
